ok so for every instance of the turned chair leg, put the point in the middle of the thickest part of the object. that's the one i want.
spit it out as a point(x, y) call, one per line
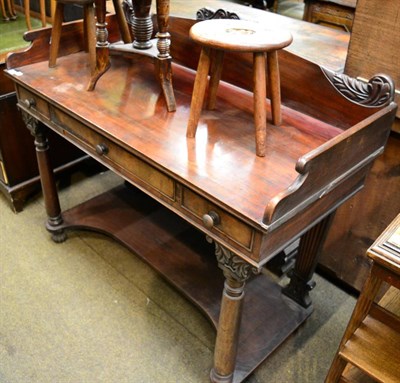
point(3, 10)
point(42, 6)
point(27, 15)
point(90, 35)
point(11, 10)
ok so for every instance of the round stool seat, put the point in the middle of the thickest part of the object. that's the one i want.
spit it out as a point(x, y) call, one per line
point(239, 35)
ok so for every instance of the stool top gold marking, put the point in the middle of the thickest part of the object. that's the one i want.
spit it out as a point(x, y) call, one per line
point(239, 35)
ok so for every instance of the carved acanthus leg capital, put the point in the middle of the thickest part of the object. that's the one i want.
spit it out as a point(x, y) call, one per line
point(236, 272)
point(233, 266)
point(31, 123)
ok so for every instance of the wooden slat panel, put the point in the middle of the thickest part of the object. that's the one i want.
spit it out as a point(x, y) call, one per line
point(375, 40)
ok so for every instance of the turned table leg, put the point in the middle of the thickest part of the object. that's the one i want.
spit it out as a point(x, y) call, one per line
point(228, 330)
point(236, 272)
point(50, 195)
point(301, 278)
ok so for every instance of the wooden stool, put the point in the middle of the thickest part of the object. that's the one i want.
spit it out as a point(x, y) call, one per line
point(218, 36)
point(89, 27)
point(372, 338)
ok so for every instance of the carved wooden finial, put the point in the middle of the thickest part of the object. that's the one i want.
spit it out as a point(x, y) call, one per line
point(209, 14)
point(377, 92)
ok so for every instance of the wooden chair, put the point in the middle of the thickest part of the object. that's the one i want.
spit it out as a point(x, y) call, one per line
point(336, 13)
point(218, 36)
point(8, 10)
point(89, 26)
point(372, 338)
point(27, 10)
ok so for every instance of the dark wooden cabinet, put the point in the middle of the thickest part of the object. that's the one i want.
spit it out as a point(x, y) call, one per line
point(361, 219)
point(333, 13)
point(19, 176)
point(373, 49)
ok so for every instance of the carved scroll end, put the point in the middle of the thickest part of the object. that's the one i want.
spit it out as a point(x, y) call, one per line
point(377, 92)
point(278, 208)
point(209, 14)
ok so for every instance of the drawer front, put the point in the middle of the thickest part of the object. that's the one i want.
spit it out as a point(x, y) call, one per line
point(193, 206)
point(226, 224)
point(30, 100)
point(119, 159)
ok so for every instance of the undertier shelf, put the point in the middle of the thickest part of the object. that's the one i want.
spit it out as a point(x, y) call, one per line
point(181, 254)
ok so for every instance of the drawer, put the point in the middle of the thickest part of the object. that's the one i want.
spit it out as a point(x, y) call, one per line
point(225, 223)
point(25, 97)
point(115, 157)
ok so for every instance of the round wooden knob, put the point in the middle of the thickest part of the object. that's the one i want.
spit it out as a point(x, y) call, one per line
point(101, 149)
point(211, 219)
point(29, 102)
